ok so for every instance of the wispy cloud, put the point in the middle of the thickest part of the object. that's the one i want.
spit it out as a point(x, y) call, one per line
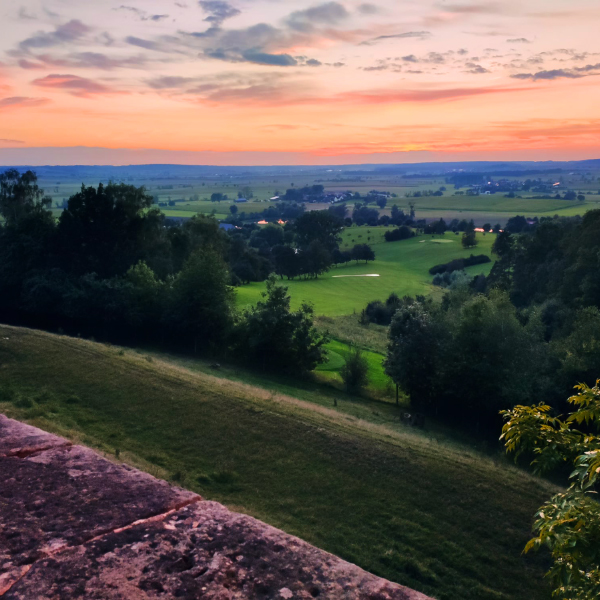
point(68, 32)
point(142, 15)
point(551, 74)
point(420, 35)
point(329, 13)
point(83, 60)
point(22, 102)
point(77, 86)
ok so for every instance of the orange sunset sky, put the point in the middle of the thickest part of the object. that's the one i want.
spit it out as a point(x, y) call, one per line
point(297, 82)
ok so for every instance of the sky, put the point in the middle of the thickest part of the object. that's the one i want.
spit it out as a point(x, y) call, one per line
point(298, 82)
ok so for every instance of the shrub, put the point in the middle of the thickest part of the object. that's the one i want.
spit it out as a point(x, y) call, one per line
point(355, 370)
point(458, 264)
point(401, 233)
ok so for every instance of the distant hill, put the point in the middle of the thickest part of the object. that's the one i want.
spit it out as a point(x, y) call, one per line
point(174, 171)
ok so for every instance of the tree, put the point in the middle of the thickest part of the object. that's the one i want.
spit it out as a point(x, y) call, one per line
point(363, 252)
point(469, 239)
point(401, 233)
point(21, 195)
point(202, 301)
point(276, 338)
point(246, 192)
point(216, 197)
point(320, 225)
point(569, 524)
point(316, 259)
point(102, 229)
point(414, 351)
point(233, 209)
point(381, 202)
point(355, 370)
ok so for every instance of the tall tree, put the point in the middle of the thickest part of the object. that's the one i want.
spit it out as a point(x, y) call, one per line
point(20, 195)
point(101, 228)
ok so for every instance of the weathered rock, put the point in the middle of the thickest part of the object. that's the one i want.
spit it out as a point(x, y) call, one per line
point(75, 525)
point(66, 496)
point(19, 439)
point(202, 551)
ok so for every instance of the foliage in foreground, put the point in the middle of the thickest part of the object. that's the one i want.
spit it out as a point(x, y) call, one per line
point(569, 524)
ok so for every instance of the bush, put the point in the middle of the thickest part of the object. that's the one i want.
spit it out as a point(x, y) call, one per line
point(459, 264)
point(452, 279)
point(401, 233)
point(355, 370)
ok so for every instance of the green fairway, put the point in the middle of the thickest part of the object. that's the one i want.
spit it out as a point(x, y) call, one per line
point(403, 267)
point(401, 503)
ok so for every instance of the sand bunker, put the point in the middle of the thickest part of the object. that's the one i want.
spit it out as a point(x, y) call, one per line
point(368, 275)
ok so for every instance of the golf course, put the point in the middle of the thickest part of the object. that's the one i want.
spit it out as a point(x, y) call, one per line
point(401, 267)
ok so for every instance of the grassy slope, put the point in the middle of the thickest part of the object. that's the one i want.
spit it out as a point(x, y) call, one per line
point(403, 267)
point(430, 515)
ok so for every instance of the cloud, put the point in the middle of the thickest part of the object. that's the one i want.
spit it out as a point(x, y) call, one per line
point(472, 9)
point(264, 58)
point(9, 141)
point(142, 15)
point(147, 44)
point(436, 58)
point(22, 102)
point(383, 67)
point(77, 86)
point(68, 32)
point(401, 96)
point(519, 41)
point(329, 13)
point(368, 9)
point(169, 82)
point(421, 35)
point(549, 75)
point(475, 69)
point(218, 11)
point(25, 15)
point(83, 60)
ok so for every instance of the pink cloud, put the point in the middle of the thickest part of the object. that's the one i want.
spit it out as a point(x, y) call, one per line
point(78, 86)
point(22, 102)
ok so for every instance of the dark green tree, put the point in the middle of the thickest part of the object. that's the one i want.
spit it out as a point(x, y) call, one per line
point(274, 337)
point(20, 195)
point(201, 301)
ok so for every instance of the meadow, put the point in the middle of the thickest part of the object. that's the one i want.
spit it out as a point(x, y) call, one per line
point(403, 268)
point(408, 505)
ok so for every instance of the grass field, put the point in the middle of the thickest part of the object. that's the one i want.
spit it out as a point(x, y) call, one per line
point(429, 514)
point(403, 267)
